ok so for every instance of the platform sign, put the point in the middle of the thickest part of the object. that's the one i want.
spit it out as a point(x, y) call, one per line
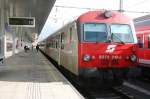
point(22, 21)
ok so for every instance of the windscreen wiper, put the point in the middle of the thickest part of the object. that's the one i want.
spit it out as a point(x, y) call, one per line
point(113, 34)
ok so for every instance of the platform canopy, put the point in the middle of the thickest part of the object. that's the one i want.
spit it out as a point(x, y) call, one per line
point(38, 9)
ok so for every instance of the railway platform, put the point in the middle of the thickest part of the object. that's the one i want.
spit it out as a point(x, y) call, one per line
point(31, 76)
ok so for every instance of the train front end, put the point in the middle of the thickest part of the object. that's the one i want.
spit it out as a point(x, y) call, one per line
point(107, 45)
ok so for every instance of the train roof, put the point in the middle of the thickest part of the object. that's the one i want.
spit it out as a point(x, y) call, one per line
point(57, 31)
point(99, 16)
point(142, 18)
point(142, 23)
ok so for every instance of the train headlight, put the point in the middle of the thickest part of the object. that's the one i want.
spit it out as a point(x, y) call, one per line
point(133, 58)
point(86, 58)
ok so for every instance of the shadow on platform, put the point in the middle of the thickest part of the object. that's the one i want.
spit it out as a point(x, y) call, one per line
point(29, 67)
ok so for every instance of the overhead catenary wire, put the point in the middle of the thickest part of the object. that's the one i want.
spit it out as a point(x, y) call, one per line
point(61, 6)
point(99, 8)
point(136, 11)
point(137, 4)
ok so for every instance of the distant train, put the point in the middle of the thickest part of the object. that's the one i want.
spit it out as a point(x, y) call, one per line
point(98, 45)
point(142, 25)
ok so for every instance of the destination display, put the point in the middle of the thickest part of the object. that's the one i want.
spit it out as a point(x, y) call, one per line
point(21, 21)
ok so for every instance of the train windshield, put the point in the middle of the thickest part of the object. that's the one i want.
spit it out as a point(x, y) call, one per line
point(95, 32)
point(121, 33)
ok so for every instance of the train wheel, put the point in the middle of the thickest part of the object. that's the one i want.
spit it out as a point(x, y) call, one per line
point(125, 74)
point(145, 72)
point(118, 82)
point(118, 77)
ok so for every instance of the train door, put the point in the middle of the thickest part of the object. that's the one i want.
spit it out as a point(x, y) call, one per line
point(147, 47)
point(140, 38)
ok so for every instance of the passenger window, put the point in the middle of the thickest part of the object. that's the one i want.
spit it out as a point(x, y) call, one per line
point(62, 41)
point(0, 45)
point(52, 43)
point(47, 45)
point(70, 35)
point(140, 42)
point(57, 41)
point(149, 41)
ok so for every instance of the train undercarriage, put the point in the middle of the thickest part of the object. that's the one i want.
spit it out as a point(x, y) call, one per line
point(104, 77)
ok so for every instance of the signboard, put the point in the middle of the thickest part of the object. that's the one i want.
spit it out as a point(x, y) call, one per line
point(22, 21)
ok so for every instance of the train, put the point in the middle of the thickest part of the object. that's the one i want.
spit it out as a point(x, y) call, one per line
point(99, 46)
point(142, 27)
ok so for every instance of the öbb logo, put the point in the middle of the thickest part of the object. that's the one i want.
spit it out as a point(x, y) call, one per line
point(110, 48)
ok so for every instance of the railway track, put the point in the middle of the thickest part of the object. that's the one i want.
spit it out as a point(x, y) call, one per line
point(122, 92)
point(143, 79)
point(96, 93)
point(126, 91)
point(110, 93)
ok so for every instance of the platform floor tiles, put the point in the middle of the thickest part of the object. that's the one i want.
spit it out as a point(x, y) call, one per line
point(31, 76)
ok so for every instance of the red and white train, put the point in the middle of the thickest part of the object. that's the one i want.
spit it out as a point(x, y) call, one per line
point(97, 45)
point(142, 25)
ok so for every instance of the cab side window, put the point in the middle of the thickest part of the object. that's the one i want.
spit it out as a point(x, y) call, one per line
point(140, 42)
point(149, 41)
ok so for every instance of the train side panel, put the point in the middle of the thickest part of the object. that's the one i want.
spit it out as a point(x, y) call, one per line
point(141, 45)
point(142, 25)
point(144, 48)
point(74, 47)
point(52, 48)
point(68, 48)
